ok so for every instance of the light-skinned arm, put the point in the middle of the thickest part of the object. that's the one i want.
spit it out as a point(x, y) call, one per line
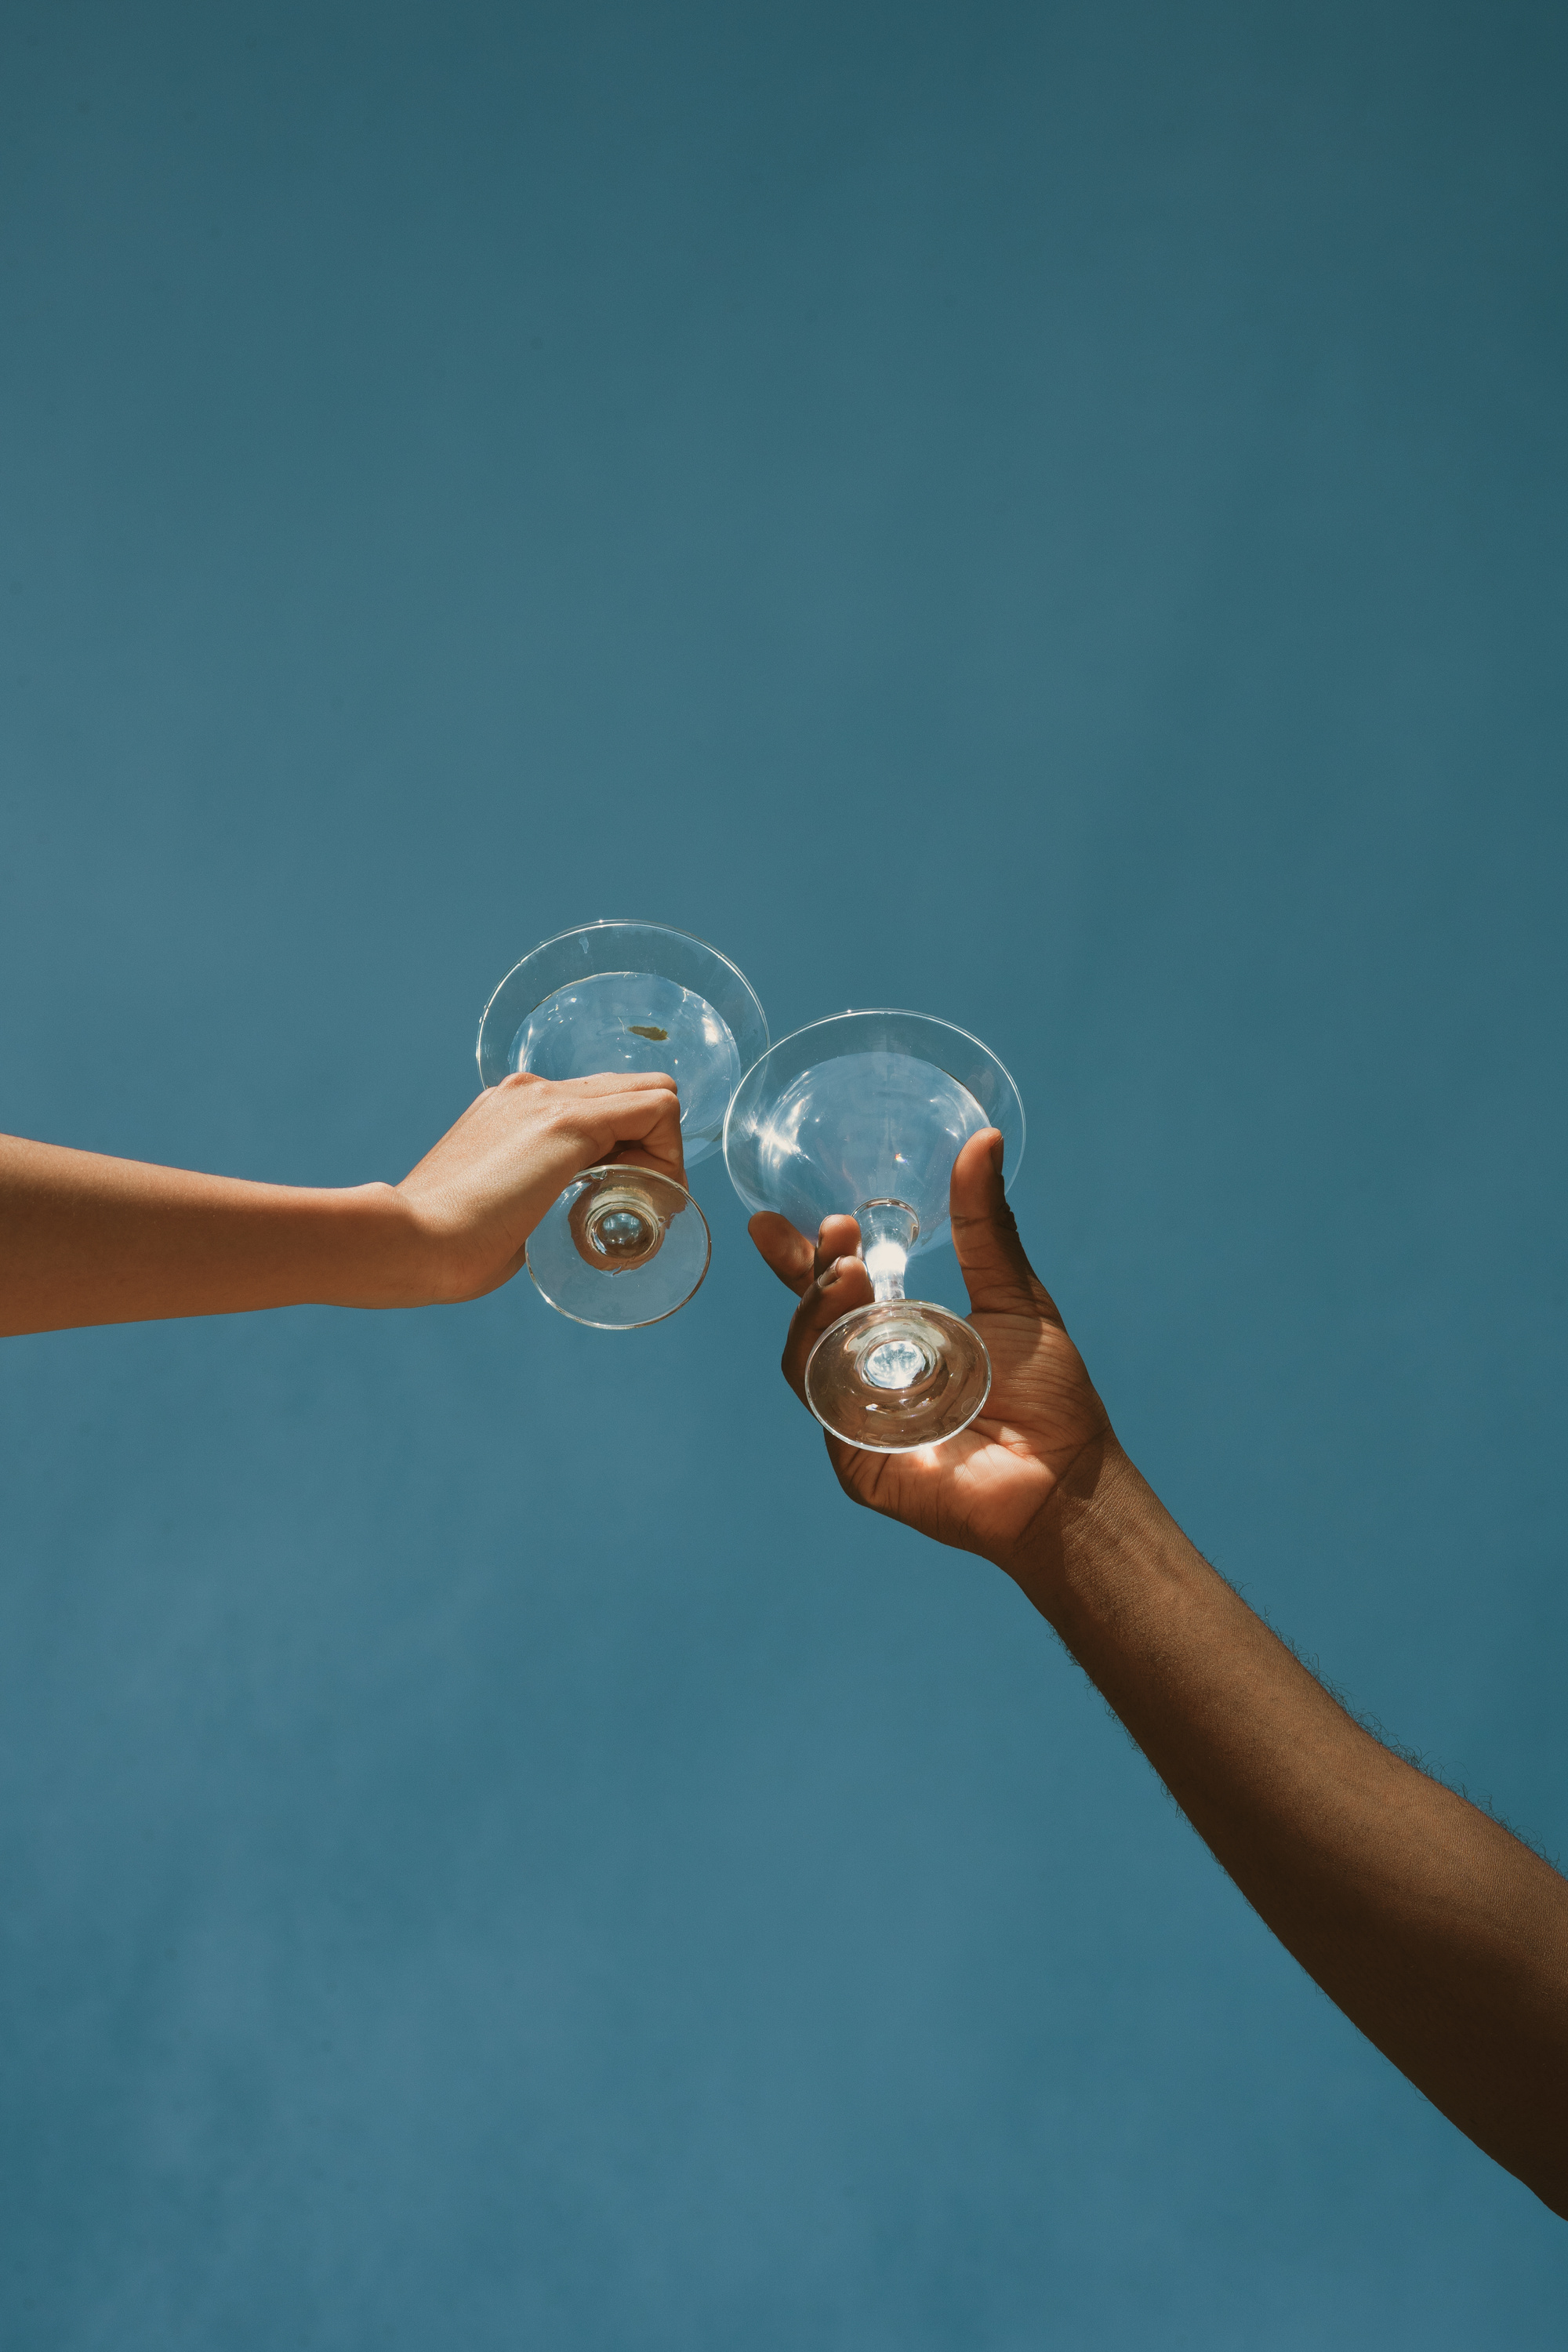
point(88, 1239)
point(1438, 1933)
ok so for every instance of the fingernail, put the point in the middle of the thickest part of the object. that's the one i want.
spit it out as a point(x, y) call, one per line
point(998, 1149)
point(826, 1280)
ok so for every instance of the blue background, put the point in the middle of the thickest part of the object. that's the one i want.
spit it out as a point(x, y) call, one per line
point(1054, 516)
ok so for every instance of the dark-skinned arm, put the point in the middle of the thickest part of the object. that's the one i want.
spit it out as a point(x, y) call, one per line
point(1438, 1933)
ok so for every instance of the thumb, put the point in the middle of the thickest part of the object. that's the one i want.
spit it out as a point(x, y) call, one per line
point(996, 1273)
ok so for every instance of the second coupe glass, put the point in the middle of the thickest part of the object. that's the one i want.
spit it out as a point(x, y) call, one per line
point(865, 1114)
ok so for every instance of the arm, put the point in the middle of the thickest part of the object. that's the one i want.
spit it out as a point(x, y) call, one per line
point(85, 1239)
point(1438, 1933)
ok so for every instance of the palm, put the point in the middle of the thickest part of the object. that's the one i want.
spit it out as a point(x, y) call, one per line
point(980, 1490)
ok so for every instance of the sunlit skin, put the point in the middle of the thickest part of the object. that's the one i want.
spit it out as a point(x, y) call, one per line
point(1443, 1937)
point(88, 1239)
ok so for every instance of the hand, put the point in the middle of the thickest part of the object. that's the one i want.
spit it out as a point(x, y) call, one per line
point(984, 1489)
point(477, 1197)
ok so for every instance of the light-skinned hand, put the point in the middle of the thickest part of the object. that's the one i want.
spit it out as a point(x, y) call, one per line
point(478, 1194)
point(88, 1239)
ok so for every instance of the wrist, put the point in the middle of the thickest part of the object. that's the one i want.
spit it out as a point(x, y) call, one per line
point(381, 1254)
point(1100, 1513)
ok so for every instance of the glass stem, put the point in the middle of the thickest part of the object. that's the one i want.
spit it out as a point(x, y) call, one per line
point(888, 1231)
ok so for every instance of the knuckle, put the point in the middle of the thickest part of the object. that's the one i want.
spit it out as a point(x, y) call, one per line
point(565, 1119)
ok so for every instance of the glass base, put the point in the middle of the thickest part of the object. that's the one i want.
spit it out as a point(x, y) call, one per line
point(898, 1375)
point(620, 1248)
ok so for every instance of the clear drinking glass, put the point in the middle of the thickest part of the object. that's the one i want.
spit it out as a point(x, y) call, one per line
point(865, 1115)
point(623, 1245)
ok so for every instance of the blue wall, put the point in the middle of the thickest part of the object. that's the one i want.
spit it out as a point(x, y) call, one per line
point(1054, 516)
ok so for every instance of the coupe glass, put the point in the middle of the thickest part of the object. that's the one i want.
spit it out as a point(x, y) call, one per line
point(865, 1114)
point(623, 1245)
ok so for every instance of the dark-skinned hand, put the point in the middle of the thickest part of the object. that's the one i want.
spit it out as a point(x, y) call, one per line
point(984, 1489)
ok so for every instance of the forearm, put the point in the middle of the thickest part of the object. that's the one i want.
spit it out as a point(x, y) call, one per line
point(1443, 1937)
point(86, 1239)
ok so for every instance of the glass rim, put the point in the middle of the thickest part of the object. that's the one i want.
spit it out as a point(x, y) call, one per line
point(616, 923)
point(889, 1013)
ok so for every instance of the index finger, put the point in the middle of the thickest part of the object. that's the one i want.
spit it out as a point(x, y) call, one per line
point(830, 1281)
point(790, 1255)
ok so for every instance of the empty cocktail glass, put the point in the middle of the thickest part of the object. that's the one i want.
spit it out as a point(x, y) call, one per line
point(865, 1114)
